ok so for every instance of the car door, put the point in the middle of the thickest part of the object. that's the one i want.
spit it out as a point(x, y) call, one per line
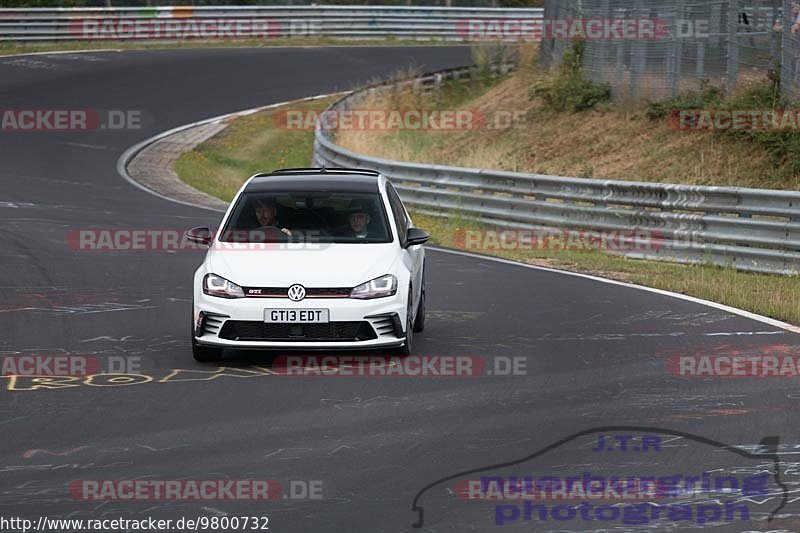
point(413, 257)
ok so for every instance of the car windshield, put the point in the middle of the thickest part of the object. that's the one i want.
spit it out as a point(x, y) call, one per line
point(308, 216)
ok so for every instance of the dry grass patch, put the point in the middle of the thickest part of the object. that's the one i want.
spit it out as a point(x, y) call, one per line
point(251, 144)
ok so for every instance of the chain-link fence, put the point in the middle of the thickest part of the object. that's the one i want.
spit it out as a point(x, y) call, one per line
point(660, 48)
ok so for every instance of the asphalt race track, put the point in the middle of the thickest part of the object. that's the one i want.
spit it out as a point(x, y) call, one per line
point(595, 353)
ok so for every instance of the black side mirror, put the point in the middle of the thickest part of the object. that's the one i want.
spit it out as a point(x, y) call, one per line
point(200, 235)
point(416, 236)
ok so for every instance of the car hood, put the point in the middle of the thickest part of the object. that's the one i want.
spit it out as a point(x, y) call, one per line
point(333, 265)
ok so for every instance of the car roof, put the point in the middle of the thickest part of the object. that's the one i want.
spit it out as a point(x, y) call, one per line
point(351, 180)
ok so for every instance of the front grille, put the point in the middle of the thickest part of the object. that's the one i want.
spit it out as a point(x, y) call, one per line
point(311, 292)
point(337, 292)
point(241, 330)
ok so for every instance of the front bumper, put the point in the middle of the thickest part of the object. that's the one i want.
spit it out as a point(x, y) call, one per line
point(238, 323)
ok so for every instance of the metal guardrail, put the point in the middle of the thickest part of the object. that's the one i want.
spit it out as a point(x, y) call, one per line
point(170, 23)
point(749, 229)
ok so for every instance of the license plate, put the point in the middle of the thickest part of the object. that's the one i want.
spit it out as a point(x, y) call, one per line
point(296, 316)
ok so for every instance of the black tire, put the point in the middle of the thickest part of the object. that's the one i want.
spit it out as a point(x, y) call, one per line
point(419, 321)
point(204, 354)
point(407, 346)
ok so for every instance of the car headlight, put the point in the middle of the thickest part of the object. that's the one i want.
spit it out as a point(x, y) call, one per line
point(214, 285)
point(376, 288)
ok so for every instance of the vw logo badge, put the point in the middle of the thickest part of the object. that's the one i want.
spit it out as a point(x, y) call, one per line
point(296, 293)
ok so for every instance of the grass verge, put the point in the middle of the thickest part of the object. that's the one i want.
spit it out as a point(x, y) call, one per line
point(254, 143)
point(251, 144)
point(772, 296)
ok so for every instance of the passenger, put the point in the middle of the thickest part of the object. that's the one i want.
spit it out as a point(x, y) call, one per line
point(358, 220)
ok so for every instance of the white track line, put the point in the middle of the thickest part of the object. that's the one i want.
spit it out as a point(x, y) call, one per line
point(715, 305)
point(62, 52)
point(130, 153)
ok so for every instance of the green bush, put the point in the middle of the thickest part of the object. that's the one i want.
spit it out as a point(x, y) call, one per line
point(569, 91)
point(783, 145)
point(708, 97)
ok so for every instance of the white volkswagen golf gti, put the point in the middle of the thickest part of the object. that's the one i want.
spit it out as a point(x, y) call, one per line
point(310, 259)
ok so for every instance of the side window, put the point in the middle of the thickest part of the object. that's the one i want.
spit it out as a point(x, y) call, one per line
point(398, 212)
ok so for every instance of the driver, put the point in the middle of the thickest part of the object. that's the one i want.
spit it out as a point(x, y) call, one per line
point(267, 215)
